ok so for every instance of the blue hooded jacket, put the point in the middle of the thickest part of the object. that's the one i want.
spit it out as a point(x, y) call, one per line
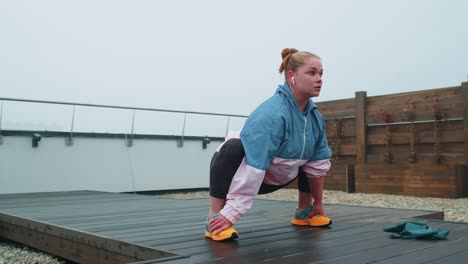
point(278, 138)
point(278, 128)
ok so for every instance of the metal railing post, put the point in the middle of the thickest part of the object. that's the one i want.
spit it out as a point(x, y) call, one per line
point(180, 142)
point(1, 118)
point(130, 139)
point(227, 126)
point(69, 139)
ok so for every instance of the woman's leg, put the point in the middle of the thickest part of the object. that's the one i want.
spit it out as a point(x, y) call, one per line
point(310, 192)
point(224, 165)
point(305, 196)
point(216, 205)
point(316, 191)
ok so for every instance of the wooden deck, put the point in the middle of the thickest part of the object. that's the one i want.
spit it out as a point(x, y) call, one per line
point(97, 227)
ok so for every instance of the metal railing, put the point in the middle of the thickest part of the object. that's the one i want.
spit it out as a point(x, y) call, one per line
point(69, 139)
point(414, 122)
point(398, 123)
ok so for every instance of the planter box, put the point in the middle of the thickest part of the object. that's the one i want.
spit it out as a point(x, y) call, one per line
point(443, 181)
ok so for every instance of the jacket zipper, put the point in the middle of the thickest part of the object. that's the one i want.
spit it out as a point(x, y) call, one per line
point(304, 137)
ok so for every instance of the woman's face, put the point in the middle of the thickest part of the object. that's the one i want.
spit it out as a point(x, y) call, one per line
point(308, 78)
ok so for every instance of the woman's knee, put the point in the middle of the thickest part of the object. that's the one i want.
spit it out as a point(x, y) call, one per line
point(233, 147)
point(224, 166)
point(302, 182)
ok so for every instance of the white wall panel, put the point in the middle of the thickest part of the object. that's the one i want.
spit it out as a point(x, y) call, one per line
point(102, 165)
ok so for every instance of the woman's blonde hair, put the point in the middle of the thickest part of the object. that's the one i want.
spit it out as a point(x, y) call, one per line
point(293, 58)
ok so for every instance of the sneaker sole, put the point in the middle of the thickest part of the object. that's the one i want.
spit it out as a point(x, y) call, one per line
point(321, 225)
point(300, 222)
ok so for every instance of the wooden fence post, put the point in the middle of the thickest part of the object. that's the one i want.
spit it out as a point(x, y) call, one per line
point(461, 170)
point(461, 180)
point(465, 120)
point(361, 128)
point(361, 140)
point(350, 183)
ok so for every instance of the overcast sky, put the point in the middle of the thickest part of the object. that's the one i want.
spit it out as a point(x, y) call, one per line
point(223, 56)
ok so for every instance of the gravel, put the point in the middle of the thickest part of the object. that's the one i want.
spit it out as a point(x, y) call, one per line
point(20, 254)
point(455, 210)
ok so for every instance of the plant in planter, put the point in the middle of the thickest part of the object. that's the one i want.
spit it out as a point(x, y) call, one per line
point(438, 117)
point(387, 118)
point(409, 115)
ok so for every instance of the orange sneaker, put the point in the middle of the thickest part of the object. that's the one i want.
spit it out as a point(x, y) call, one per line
point(301, 218)
point(320, 220)
point(226, 235)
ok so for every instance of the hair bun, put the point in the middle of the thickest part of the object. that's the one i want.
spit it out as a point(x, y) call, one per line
point(285, 54)
point(287, 51)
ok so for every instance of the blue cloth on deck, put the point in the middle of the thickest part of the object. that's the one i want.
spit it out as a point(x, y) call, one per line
point(415, 230)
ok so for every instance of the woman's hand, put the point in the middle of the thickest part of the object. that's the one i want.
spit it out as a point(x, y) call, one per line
point(219, 224)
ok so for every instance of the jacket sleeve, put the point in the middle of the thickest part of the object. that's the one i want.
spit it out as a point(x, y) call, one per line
point(244, 187)
point(319, 164)
point(261, 138)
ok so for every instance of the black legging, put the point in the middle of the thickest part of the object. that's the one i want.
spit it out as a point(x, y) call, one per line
point(225, 163)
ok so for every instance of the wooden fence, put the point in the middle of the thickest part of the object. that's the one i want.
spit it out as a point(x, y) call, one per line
point(413, 143)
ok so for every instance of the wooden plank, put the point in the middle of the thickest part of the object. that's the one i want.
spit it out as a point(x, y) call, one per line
point(424, 154)
point(348, 127)
point(311, 247)
point(450, 108)
point(462, 180)
point(342, 215)
point(129, 220)
point(456, 258)
point(96, 208)
point(429, 253)
point(347, 150)
point(290, 249)
point(399, 247)
point(464, 89)
point(64, 248)
point(335, 178)
point(72, 244)
point(337, 108)
point(406, 179)
point(122, 234)
point(253, 240)
point(350, 178)
point(451, 103)
point(361, 127)
point(377, 136)
point(251, 227)
point(173, 219)
point(253, 224)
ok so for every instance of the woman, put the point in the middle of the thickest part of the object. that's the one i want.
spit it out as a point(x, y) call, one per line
point(283, 139)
